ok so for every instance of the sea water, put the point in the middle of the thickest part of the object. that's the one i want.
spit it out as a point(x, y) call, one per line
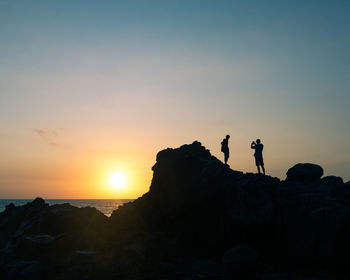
point(106, 206)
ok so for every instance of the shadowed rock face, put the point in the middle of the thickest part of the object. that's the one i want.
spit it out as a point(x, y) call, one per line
point(305, 172)
point(332, 180)
point(199, 220)
point(37, 228)
point(200, 204)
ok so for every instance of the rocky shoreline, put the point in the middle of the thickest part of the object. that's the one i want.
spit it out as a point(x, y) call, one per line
point(199, 220)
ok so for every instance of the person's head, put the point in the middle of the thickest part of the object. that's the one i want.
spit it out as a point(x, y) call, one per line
point(258, 141)
point(227, 136)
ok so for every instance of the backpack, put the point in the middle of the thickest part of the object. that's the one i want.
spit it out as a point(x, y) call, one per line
point(223, 146)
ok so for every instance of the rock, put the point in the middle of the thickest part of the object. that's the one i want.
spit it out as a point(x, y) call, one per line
point(38, 202)
point(9, 207)
point(41, 238)
point(305, 172)
point(197, 212)
point(205, 205)
point(332, 180)
point(240, 262)
point(25, 270)
point(37, 228)
point(85, 252)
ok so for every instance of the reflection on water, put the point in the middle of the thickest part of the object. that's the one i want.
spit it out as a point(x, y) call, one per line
point(106, 206)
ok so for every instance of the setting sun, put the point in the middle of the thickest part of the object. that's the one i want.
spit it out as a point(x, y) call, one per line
point(117, 180)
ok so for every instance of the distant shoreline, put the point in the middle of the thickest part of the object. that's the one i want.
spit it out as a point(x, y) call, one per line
point(105, 206)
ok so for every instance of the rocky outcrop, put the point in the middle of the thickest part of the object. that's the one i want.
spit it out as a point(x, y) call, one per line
point(332, 180)
point(37, 223)
point(199, 220)
point(37, 238)
point(305, 172)
point(200, 204)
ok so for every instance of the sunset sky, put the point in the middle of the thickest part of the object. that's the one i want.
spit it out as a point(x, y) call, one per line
point(89, 89)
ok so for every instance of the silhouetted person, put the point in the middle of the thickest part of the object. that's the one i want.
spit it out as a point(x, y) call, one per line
point(225, 149)
point(259, 161)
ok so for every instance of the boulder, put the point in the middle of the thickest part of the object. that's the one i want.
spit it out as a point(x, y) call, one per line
point(305, 172)
point(332, 180)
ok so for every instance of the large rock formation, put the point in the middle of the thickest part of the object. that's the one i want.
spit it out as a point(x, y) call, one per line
point(200, 204)
point(199, 220)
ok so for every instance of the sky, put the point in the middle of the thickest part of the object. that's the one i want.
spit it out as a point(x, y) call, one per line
point(91, 88)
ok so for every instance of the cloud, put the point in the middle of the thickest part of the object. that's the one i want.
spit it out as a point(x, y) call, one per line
point(48, 135)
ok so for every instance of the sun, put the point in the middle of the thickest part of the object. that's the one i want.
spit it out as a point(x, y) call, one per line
point(117, 180)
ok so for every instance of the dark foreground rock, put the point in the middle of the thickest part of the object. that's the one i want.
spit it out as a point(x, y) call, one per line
point(305, 172)
point(199, 220)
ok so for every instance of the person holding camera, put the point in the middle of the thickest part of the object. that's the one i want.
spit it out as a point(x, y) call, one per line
point(259, 161)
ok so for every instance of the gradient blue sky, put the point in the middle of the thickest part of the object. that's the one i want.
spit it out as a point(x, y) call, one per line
point(86, 84)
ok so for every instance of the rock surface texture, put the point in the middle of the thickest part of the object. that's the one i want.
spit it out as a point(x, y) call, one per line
point(199, 220)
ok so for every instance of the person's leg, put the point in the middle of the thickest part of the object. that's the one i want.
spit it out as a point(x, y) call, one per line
point(257, 164)
point(262, 165)
point(227, 155)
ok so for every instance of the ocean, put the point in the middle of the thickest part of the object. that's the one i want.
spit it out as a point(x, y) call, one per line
point(106, 206)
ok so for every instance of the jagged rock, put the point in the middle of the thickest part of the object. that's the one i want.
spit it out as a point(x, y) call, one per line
point(305, 172)
point(9, 207)
point(204, 204)
point(38, 202)
point(37, 228)
point(332, 180)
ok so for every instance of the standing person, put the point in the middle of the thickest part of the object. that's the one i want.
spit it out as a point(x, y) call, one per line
point(225, 149)
point(259, 161)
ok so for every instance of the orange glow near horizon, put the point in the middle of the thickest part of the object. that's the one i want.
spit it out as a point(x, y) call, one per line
point(120, 177)
point(87, 170)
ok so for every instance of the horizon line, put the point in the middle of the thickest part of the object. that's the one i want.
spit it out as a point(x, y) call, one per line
point(66, 198)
